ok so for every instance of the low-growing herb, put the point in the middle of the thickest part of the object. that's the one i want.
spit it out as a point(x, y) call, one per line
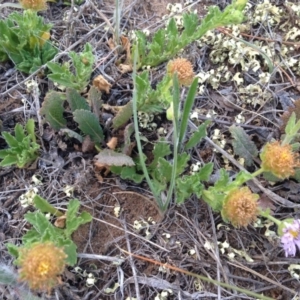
point(43, 231)
point(83, 68)
point(23, 148)
point(24, 39)
point(88, 121)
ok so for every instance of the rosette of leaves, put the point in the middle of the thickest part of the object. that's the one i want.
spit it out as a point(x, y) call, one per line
point(24, 39)
point(88, 121)
point(43, 231)
point(23, 148)
point(83, 68)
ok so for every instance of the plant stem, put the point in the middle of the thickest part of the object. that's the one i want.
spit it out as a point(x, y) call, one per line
point(138, 140)
point(258, 172)
point(176, 101)
point(266, 214)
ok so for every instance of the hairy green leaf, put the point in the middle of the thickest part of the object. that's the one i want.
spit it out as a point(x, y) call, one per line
point(123, 115)
point(242, 145)
point(52, 109)
point(76, 101)
point(89, 124)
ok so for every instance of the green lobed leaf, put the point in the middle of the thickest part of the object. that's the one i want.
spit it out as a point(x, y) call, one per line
point(70, 249)
point(88, 124)
point(127, 173)
point(163, 171)
point(242, 145)
point(12, 249)
point(204, 173)
point(52, 109)
point(161, 149)
point(198, 135)
point(10, 140)
point(38, 221)
point(9, 160)
point(73, 221)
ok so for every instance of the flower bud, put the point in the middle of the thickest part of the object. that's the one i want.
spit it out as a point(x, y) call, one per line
point(279, 159)
point(240, 207)
point(184, 70)
point(40, 265)
point(35, 5)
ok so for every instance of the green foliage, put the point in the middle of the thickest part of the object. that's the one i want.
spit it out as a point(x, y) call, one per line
point(53, 109)
point(24, 40)
point(242, 145)
point(166, 43)
point(152, 100)
point(160, 171)
point(45, 207)
point(42, 231)
point(83, 66)
point(214, 196)
point(197, 136)
point(291, 130)
point(23, 148)
point(88, 122)
point(123, 115)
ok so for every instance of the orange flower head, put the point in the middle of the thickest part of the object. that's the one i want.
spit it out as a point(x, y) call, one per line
point(184, 70)
point(36, 5)
point(40, 265)
point(279, 159)
point(240, 207)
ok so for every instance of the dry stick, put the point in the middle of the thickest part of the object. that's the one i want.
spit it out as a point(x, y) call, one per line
point(101, 257)
point(134, 274)
point(225, 285)
point(277, 284)
point(260, 38)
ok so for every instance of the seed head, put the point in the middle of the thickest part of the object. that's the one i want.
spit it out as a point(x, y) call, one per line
point(40, 265)
point(240, 207)
point(184, 70)
point(279, 159)
point(35, 5)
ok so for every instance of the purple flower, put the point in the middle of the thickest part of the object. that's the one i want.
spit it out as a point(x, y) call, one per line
point(291, 238)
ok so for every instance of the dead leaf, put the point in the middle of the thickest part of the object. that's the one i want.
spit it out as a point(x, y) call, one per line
point(111, 44)
point(112, 144)
point(126, 45)
point(87, 145)
point(102, 84)
point(109, 157)
point(60, 222)
point(125, 68)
